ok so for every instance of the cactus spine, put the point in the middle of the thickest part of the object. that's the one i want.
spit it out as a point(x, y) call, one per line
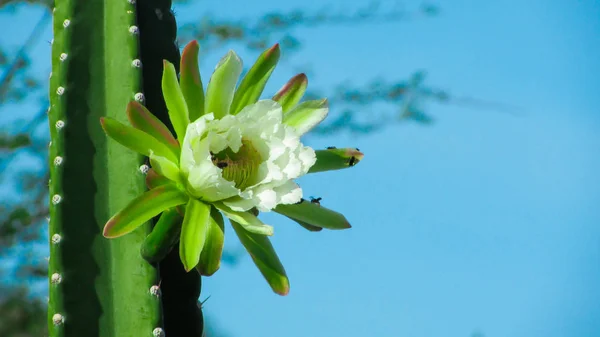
point(98, 287)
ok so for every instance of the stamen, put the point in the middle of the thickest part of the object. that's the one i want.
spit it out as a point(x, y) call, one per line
point(239, 167)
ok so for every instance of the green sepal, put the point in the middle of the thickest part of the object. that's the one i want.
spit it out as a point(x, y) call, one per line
point(165, 168)
point(153, 179)
point(221, 85)
point(191, 81)
point(265, 258)
point(142, 119)
point(253, 83)
point(336, 159)
point(163, 237)
point(210, 258)
point(314, 215)
point(178, 111)
point(306, 115)
point(193, 232)
point(291, 93)
point(144, 208)
point(136, 140)
point(248, 221)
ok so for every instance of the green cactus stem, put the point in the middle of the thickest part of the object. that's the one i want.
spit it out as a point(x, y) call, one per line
point(180, 290)
point(98, 287)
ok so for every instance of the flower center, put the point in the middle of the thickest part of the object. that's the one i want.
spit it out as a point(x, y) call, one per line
point(238, 167)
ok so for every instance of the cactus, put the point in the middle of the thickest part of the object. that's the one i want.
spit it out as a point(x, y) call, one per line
point(97, 287)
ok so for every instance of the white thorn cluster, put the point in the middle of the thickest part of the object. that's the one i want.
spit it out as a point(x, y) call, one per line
point(49, 143)
point(56, 238)
point(58, 160)
point(56, 199)
point(50, 76)
point(158, 332)
point(159, 14)
point(51, 41)
point(136, 63)
point(66, 23)
point(63, 56)
point(58, 319)
point(60, 91)
point(155, 290)
point(139, 97)
point(59, 124)
point(55, 278)
point(144, 168)
point(131, 2)
point(129, 12)
point(134, 30)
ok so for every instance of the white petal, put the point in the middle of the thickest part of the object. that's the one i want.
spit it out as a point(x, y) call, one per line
point(308, 158)
point(291, 139)
point(288, 193)
point(207, 183)
point(205, 180)
point(240, 204)
point(267, 200)
point(293, 169)
point(193, 135)
point(263, 110)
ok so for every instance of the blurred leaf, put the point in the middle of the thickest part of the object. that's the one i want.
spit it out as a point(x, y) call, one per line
point(8, 142)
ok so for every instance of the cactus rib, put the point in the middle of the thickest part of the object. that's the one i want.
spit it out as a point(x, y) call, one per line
point(96, 71)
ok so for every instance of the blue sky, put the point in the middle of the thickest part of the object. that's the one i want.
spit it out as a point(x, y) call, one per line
point(484, 221)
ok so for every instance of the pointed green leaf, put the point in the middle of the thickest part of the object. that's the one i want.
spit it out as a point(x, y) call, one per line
point(291, 93)
point(191, 82)
point(210, 258)
point(314, 214)
point(308, 227)
point(193, 232)
point(261, 250)
point(306, 115)
point(250, 222)
point(165, 167)
point(154, 180)
point(142, 119)
point(178, 111)
point(336, 159)
point(253, 83)
point(136, 140)
point(221, 86)
point(143, 208)
point(163, 237)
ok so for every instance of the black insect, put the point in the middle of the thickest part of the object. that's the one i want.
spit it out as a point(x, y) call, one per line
point(222, 165)
point(316, 201)
point(331, 148)
point(352, 161)
point(299, 202)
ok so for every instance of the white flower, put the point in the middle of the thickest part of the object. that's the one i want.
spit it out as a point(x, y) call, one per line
point(245, 160)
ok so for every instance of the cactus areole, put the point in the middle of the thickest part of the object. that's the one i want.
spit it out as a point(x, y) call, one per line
point(232, 154)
